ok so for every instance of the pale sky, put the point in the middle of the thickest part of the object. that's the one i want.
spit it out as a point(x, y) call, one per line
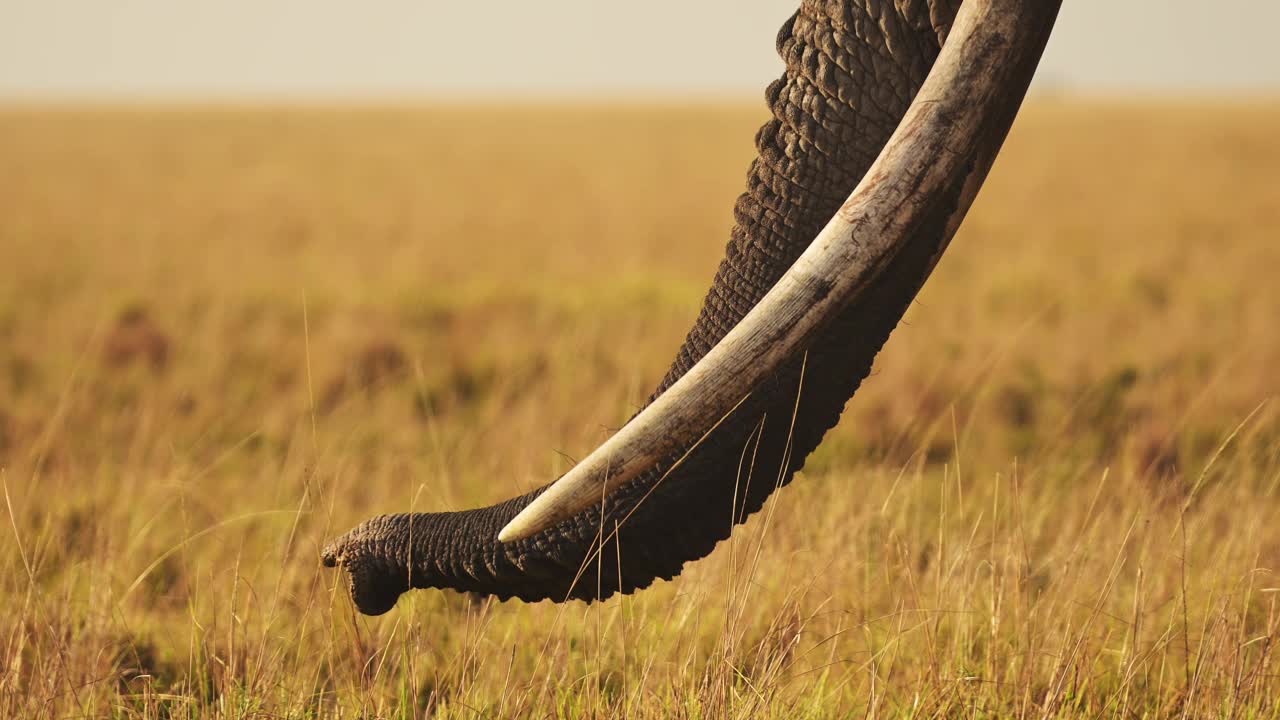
point(384, 49)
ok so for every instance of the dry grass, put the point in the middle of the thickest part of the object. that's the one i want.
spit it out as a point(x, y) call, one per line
point(226, 336)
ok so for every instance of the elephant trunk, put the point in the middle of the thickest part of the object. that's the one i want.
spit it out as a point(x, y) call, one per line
point(389, 554)
point(853, 69)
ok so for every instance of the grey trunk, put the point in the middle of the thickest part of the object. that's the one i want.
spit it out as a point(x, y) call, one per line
point(852, 70)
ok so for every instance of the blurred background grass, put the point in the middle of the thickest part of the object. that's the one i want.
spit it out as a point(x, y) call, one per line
point(227, 335)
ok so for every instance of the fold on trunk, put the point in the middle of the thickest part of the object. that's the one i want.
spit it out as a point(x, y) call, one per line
point(853, 74)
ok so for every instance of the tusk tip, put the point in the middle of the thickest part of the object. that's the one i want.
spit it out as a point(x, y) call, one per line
point(517, 529)
point(545, 510)
point(533, 519)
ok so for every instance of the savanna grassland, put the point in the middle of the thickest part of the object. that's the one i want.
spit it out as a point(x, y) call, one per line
point(228, 335)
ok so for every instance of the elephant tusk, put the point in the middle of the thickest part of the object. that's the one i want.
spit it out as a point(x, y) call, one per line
point(940, 153)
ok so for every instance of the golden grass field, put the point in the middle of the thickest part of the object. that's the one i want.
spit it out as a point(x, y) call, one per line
point(228, 335)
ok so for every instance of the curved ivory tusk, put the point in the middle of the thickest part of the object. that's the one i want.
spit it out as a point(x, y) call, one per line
point(947, 140)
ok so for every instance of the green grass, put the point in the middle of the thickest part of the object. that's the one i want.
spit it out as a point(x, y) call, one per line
point(227, 336)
